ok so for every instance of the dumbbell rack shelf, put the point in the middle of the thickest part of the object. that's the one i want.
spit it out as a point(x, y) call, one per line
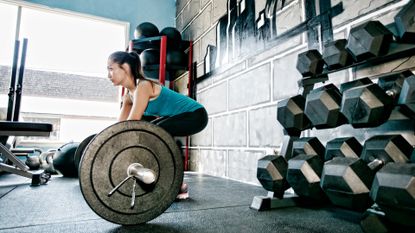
point(396, 51)
point(161, 43)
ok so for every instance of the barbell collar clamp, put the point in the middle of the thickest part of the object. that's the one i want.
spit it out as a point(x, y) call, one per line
point(133, 196)
point(120, 184)
point(145, 175)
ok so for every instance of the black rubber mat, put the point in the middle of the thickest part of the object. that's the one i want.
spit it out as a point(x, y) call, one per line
point(215, 205)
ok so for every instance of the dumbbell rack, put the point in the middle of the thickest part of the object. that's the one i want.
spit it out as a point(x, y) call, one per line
point(373, 215)
point(162, 67)
point(306, 84)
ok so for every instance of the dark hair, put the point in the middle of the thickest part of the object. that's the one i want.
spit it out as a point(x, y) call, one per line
point(132, 59)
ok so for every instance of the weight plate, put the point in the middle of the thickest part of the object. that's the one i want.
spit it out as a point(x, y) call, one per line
point(104, 165)
point(80, 151)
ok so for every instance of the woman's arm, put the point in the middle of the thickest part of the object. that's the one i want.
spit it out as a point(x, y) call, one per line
point(141, 97)
point(125, 108)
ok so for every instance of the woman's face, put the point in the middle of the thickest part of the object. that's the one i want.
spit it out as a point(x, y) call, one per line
point(116, 73)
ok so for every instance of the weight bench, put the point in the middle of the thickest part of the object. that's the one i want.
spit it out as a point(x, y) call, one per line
point(13, 128)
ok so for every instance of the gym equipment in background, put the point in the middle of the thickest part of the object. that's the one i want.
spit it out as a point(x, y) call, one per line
point(64, 159)
point(145, 31)
point(12, 127)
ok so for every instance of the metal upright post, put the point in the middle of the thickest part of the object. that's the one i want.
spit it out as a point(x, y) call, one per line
point(162, 67)
point(19, 86)
point(191, 95)
point(12, 89)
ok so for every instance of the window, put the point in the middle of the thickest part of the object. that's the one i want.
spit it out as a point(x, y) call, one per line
point(65, 72)
point(69, 43)
point(8, 15)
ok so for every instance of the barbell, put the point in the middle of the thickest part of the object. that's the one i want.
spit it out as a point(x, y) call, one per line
point(131, 172)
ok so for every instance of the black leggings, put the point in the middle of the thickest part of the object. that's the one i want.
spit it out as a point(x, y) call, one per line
point(184, 124)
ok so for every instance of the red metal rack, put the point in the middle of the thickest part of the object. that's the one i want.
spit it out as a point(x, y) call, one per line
point(162, 67)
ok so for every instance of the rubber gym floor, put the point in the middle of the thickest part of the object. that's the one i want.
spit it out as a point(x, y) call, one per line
point(215, 205)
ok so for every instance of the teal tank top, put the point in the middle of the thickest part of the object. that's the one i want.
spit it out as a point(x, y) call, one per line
point(170, 103)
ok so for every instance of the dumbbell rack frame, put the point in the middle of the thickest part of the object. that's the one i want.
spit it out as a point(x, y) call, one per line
point(306, 84)
point(186, 46)
point(396, 51)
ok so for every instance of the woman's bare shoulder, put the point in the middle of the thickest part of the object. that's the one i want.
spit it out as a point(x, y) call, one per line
point(145, 83)
point(152, 87)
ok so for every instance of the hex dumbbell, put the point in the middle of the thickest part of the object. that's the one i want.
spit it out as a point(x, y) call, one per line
point(371, 104)
point(271, 173)
point(405, 23)
point(305, 167)
point(392, 191)
point(272, 169)
point(335, 54)
point(367, 40)
point(347, 181)
point(310, 63)
point(322, 107)
point(395, 201)
point(290, 114)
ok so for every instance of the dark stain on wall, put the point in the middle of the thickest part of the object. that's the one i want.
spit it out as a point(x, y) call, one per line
point(239, 27)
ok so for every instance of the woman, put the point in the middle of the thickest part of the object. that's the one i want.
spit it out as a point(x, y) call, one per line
point(177, 114)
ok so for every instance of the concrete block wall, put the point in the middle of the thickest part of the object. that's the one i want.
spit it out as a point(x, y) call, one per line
point(241, 96)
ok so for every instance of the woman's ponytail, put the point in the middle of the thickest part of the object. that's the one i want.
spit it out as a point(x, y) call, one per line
point(135, 65)
point(139, 70)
